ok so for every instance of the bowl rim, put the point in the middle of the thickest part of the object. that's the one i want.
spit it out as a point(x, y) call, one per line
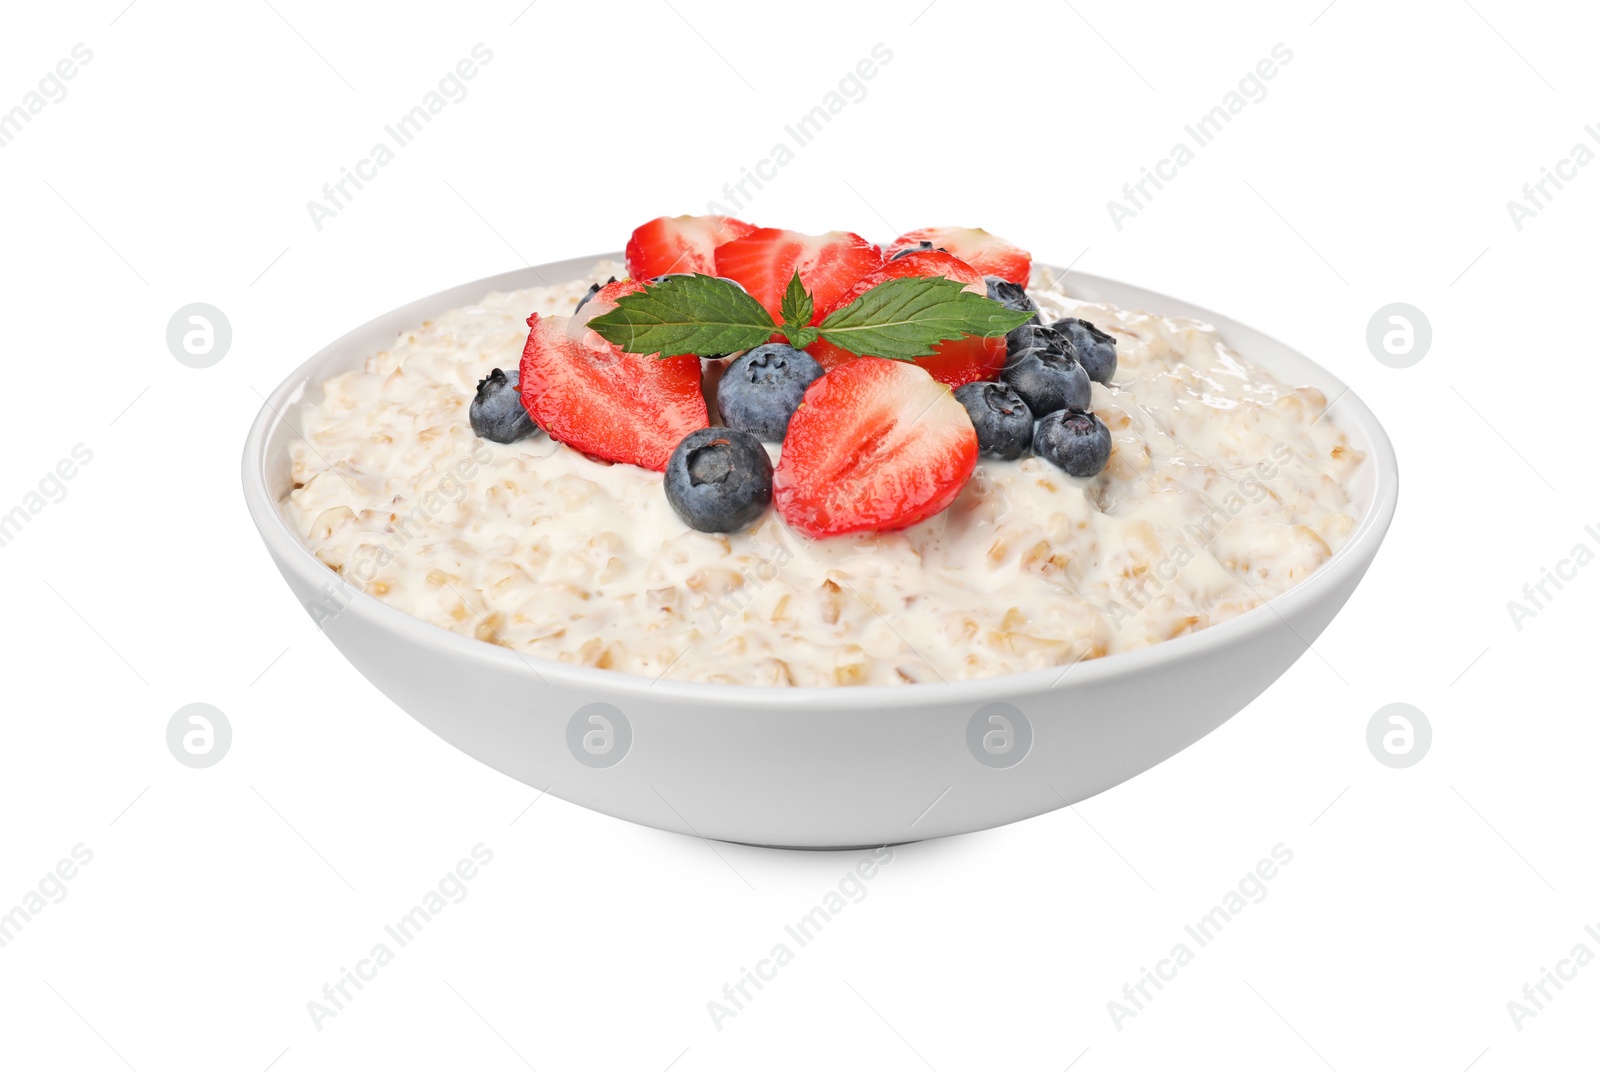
point(1352, 556)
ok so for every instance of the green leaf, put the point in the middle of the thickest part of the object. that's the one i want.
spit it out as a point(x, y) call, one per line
point(800, 337)
point(797, 309)
point(903, 318)
point(687, 314)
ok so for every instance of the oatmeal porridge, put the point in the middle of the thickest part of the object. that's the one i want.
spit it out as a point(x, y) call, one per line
point(1223, 489)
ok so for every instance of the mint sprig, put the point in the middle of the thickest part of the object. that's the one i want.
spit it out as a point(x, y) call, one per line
point(901, 319)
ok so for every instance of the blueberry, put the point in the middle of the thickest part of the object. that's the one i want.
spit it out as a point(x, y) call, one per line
point(594, 288)
point(1097, 351)
point(761, 389)
point(1048, 380)
point(1031, 336)
point(497, 413)
point(920, 247)
point(1080, 443)
point(1012, 296)
point(1002, 419)
point(719, 479)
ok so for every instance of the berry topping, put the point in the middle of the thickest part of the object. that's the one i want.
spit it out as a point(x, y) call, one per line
point(1097, 351)
point(764, 260)
point(1012, 296)
point(497, 413)
point(988, 254)
point(596, 398)
point(1001, 418)
point(680, 244)
point(1048, 380)
point(876, 445)
point(761, 390)
point(1079, 443)
point(954, 361)
point(719, 479)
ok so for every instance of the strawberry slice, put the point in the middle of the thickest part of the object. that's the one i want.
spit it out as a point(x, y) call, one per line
point(876, 445)
point(954, 362)
point(603, 401)
point(606, 298)
point(985, 252)
point(764, 260)
point(680, 244)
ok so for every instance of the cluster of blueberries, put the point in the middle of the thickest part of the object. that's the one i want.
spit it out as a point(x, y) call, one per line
point(1042, 397)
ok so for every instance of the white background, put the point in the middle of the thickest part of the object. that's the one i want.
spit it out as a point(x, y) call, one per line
point(220, 901)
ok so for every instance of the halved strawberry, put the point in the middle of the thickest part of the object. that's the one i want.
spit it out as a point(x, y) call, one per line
point(680, 244)
point(985, 252)
point(605, 299)
point(603, 401)
point(876, 445)
point(954, 362)
point(764, 260)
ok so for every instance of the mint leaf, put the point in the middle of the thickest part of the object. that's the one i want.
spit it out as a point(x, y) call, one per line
point(797, 309)
point(902, 318)
point(686, 314)
point(800, 337)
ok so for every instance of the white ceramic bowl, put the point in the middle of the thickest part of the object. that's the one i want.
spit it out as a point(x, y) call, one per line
point(817, 767)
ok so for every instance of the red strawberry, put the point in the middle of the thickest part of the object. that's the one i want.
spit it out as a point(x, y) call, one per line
point(954, 362)
point(680, 244)
point(605, 299)
point(876, 445)
point(598, 399)
point(763, 262)
point(988, 254)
